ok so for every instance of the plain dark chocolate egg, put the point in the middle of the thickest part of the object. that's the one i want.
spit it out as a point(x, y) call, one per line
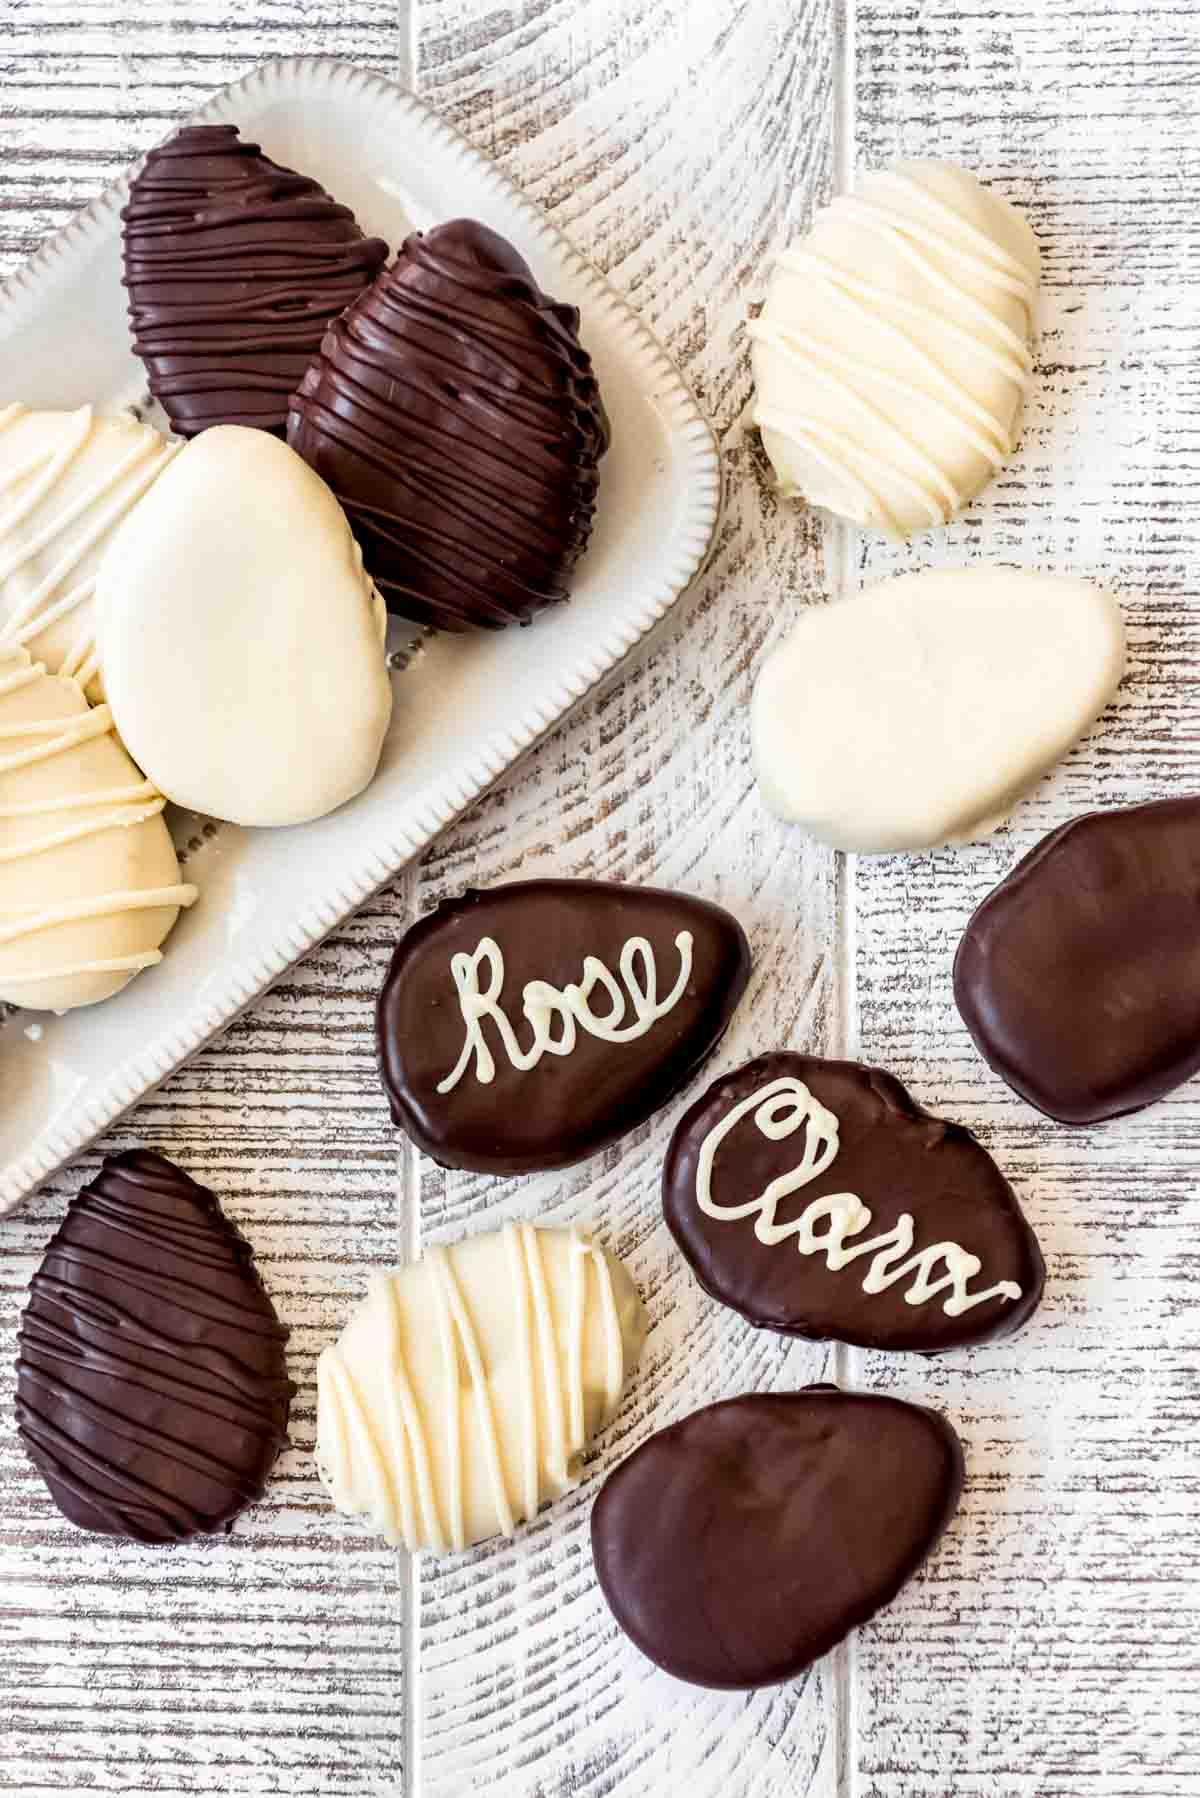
point(528, 1026)
point(152, 1388)
point(768, 1137)
point(739, 1545)
point(234, 268)
point(1079, 975)
point(456, 416)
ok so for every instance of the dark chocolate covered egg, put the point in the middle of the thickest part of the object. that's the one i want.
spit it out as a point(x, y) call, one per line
point(456, 416)
point(234, 268)
point(739, 1545)
point(152, 1388)
point(1079, 975)
point(817, 1198)
point(525, 1027)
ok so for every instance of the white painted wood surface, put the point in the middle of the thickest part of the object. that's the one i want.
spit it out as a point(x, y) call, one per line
point(1049, 1648)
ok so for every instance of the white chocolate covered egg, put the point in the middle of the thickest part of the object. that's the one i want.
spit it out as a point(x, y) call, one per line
point(463, 1391)
point(67, 480)
point(89, 880)
point(893, 355)
point(917, 712)
point(243, 645)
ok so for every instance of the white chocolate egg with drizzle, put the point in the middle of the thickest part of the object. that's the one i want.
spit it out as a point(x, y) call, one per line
point(893, 354)
point(462, 1393)
point(243, 643)
point(67, 480)
point(89, 880)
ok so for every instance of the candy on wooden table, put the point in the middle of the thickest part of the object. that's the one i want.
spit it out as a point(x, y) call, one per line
point(462, 1393)
point(817, 1198)
point(152, 1388)
point(528, 1026)
point(892, 357)
point(917, 712)
point(1079, 975)
point(737, 1546)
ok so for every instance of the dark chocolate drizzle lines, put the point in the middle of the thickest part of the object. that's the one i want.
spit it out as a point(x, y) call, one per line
point(234, 268)
point(152, 1388)
point(456, 416)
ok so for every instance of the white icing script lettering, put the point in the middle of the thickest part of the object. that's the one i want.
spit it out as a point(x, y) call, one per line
point(544, 1005)
point(780, 1109)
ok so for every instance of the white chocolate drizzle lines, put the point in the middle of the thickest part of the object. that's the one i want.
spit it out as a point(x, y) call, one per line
point(869, 360)
point(542, 1004)
point(782, 1107)
point(35, 521)
point(406, 1468)
point(72, 817)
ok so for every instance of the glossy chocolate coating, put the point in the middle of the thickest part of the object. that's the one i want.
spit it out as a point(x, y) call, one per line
point(456, 416)
point(1079, 975)
point(565, 1106)
point(739, 1545)
point(894, 1156)
point(234, 267)
point(152, 1388)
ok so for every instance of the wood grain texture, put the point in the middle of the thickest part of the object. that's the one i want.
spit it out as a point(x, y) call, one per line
point(632, 123)
point(514, 1674)
point(272, 1661)
point(1048, 1649)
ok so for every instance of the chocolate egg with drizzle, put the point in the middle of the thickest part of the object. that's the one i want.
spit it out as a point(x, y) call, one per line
point(893, 353)
point(462, 1393)
point(89, 880)
point(818, 1199)
point(526, 1027)
point(456, 416)
point(152, 1388)
point(67, 480)
point(234, 268)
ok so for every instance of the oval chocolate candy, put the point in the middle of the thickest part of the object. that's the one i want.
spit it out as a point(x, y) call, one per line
point(739, 1545)
point(1079, 975)
point(152, 1388)
point(234, 268)
point(526, 1027)
point(818, 1199)
point(455, 414)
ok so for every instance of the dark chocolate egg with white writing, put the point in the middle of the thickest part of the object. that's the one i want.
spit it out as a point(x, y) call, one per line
point(818, 1199)
point(739, 1545)
point(526, 1027)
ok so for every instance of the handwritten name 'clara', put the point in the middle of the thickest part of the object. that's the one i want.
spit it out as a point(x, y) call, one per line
point(780, 1109)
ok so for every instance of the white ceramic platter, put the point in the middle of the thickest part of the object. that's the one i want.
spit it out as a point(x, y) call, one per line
point(466, 708)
